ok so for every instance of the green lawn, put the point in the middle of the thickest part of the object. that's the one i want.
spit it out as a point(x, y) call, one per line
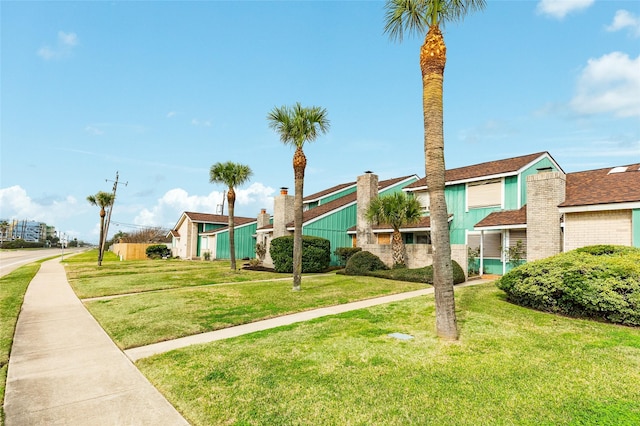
point(511, 366)
point(115, 277)
point(151, 317)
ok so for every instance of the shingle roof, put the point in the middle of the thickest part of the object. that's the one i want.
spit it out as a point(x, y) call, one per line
point(504, 218)
point(491, 168)
point(237, 221)
point(327, 191)
point(593, 187)
point(206, 217)
point(343, 201)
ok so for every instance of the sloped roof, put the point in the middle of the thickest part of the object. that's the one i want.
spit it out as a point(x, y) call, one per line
point(207, 218)
point(237, 221)
point(336, 188)
point(507, 166)
point(343, 201)
point(599, 186)
point(504, 218)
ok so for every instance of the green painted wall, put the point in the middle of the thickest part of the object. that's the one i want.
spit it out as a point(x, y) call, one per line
point(635, 227)
point(462, 221)
point(334, 227)
point(244, 241)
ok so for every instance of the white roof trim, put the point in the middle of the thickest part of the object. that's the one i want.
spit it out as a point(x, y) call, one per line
point(600, 207)
point(500, 227)
point(329, 194)
point(226, 228)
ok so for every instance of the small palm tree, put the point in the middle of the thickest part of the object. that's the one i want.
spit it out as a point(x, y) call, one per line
point(103, 200)
point(414, 16)
point(232, 175)
point(297, 125)
point(396, 210)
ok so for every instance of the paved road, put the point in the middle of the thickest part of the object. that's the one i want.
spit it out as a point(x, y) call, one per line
point(13, 259)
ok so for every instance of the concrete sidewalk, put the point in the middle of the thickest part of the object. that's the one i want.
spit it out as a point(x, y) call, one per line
point(146, 351)
point(65, 370)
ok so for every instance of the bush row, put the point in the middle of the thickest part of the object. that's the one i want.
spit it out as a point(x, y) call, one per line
point(316, 254)
point(599, 282)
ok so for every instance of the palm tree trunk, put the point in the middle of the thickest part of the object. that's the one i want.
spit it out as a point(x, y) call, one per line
point(101, 243)
point(432, 62)
point(397, 248)
point(231, 199)
point(299, 165)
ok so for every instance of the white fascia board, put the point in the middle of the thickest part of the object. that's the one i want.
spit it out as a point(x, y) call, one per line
point(499, 227)
point(328, 213)
point(480, 178)
point(600, 207)
point(417, 188)
point(545, 155)
point(398, 183)
point(218, 231)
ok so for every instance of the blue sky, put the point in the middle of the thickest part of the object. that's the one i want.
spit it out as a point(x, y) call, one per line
point(160, 91)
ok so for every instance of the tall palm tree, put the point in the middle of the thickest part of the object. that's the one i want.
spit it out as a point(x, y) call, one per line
point(397, 210)
point(103, 200)
point(414, 16)
point(297, 125)
point(232, 175)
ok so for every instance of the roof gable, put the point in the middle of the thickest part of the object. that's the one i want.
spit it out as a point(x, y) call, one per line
point(329, 191)
point(491, 169)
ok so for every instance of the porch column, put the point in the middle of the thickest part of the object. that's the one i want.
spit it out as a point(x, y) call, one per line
point(481, 253)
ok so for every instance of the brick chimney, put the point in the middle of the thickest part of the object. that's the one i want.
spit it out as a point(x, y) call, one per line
point(263, 218)
point(367, 189)
point(282, 212)
point(545, 191)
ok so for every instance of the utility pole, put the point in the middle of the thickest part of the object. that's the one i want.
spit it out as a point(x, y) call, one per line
point(106, 227)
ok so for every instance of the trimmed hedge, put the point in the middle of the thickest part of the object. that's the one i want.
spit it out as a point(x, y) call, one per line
point(344, 253)
point(419, 275)
point(316, 254)
point(599, 282)
point(363, 262)
point(158, 251)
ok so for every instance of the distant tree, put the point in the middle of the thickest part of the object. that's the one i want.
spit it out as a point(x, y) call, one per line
point(396, 210)
point(232, 175)
point(297, 125)
point(4, 225)
point(415, 16)
point(104, 200)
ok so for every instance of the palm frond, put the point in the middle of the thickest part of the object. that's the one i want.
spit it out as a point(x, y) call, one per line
point(297, 124)
point(230, 174)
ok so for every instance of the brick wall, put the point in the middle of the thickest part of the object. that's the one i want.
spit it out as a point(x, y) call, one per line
point(545, 191)
point(605, 227)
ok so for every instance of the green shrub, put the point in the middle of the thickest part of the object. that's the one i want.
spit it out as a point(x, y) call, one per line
point(419, 275)
point(344, 253)
point(362, 262)
point(316, 254)
point(158, 251)
point(599, 282)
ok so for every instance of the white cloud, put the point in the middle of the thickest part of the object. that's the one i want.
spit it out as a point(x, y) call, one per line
point(64, 46)
point(609, 84)
point(94, 131)
point(625, 19)
point(168, 209)
point(561, 8)
point(171, 114)
point(15, 203)
point(197, 122)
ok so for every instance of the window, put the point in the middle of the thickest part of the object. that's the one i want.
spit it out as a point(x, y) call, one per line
point(384, 238)
point(423, 198)
point(487, 193)
point(492, 243)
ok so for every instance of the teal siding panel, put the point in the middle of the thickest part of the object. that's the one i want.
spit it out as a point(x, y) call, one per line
point(462, 221)
point(635, 227)
point(244, 241)
point(511, 193)
point(334, 228)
